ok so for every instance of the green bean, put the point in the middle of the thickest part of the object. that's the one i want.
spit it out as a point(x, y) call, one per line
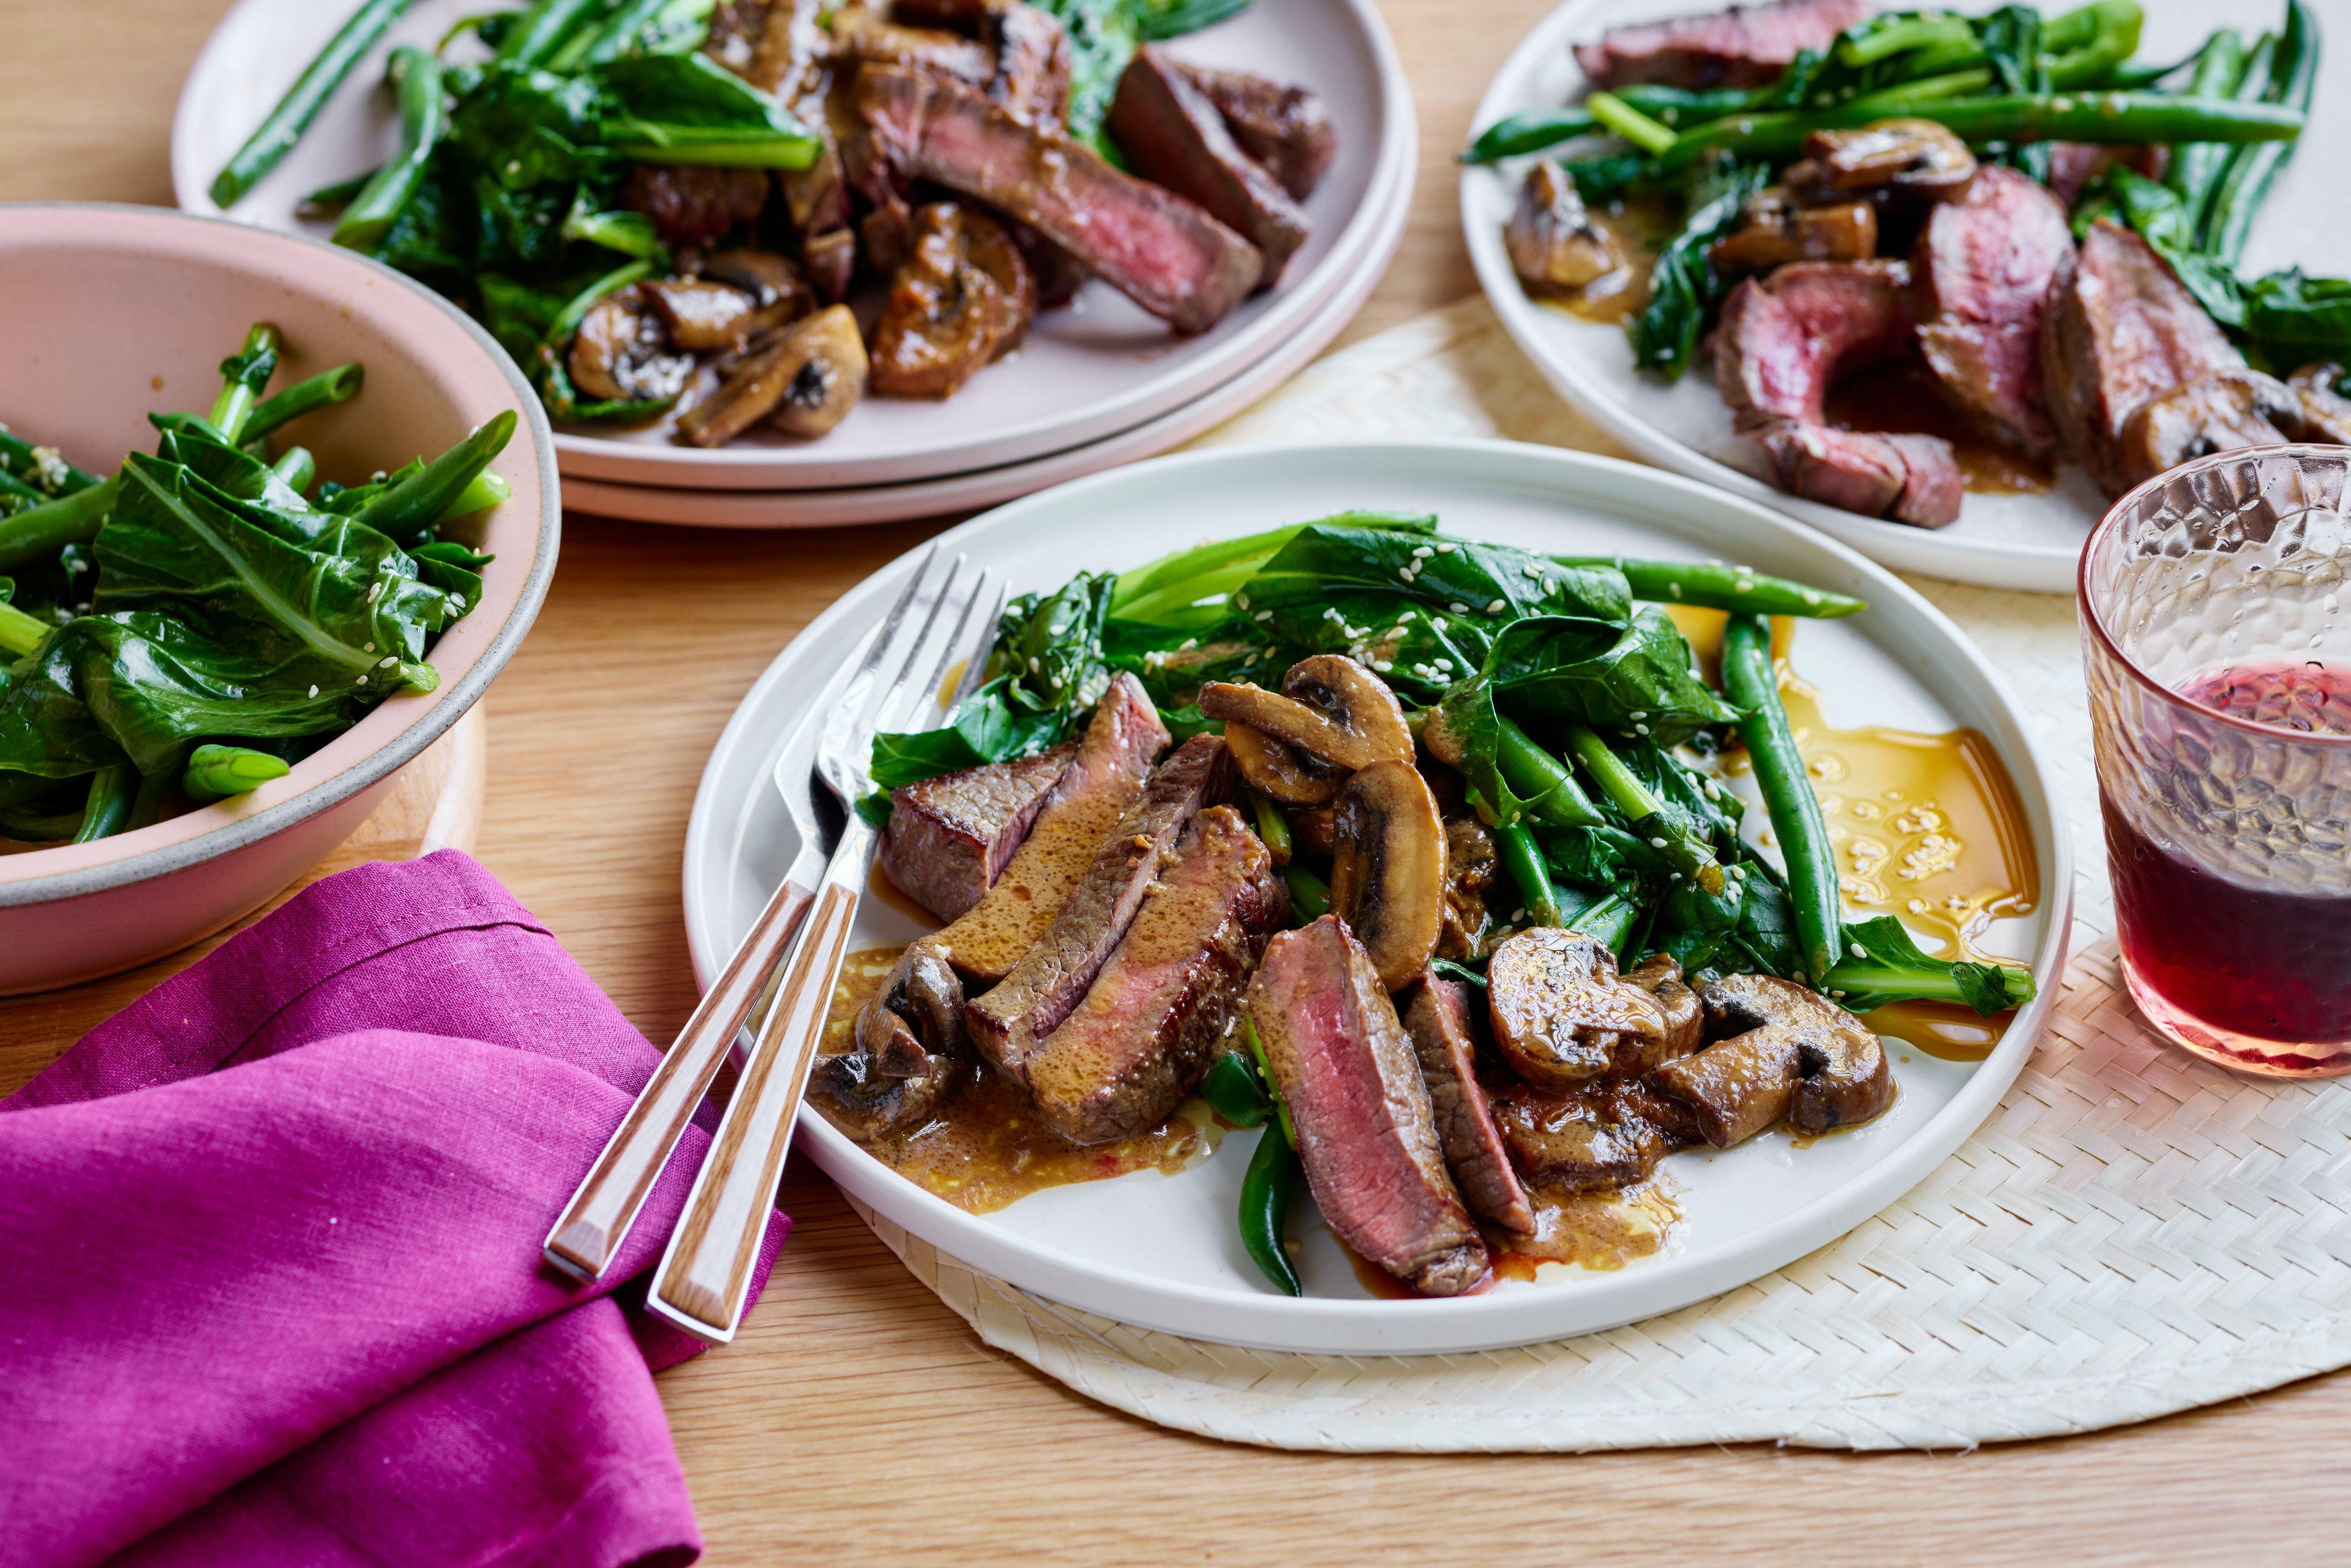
point(1515, 846)
point(245, 374)
point(297, 468)
point(36, 533)
point(147, 807)
point(15, 489)
point(1233, 1090)
point(1540, 779)
point(1683, 847)
point(1310, 896)
point(415, 75)
point(2293, 76)
point(1629, 124)
point(1533, 130)
point(484, 490)
point(217, 772)
point(41, 466)
point(611, 40)
point(112, 792)
point(2096, 116)
point(328, 200)
point(327, 387)
point(2219, 72)
point(1714, 585)
point(1753, 687)
point(310, 93)
point(424, 496)
point(39, 828)
point(544, 31)
point(1267, 1191)
point(1899, 35)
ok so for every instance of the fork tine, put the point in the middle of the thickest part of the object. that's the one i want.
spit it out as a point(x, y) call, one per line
point(853, 695)
point(902, 706)
point(910, 702)
point(975, 668)
point(881, 712)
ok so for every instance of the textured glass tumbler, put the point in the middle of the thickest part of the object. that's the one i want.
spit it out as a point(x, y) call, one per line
point(2218, 650)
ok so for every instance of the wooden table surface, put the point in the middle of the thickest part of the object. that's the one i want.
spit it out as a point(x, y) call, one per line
point(858, 1420)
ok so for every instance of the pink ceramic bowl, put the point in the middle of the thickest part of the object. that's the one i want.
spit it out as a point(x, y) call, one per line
point(110, 311)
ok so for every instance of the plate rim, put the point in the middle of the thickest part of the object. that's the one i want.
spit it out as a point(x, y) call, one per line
point(2034, 568)
point(1328, 1325)
point(1395, 158)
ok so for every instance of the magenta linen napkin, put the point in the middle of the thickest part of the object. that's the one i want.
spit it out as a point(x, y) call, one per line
point(270, 1284)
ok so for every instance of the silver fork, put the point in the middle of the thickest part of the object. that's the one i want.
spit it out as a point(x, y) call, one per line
point(588, 1233)
point(704, 1274)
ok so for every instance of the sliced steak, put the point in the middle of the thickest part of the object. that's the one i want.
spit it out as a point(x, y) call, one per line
point(1607, 1136)
point(1159, 249)
point(1031, 52)
point(1285, 128)
point(1785, 340)
point(1171, 134)
point(1366, 1130)
point(1030, 1002)
point(1112, 759)
point(691, 204)
point(2074, 165)
point(950, 837)
point(1438, 1022)
point(2121, 330)
point(872, 38)
point(1746, 46)
point(1983, 267)
point(909, 1052)
point(1913, 479)
point(1154, 1017)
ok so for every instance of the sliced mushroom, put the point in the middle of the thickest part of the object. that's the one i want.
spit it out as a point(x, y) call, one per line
point(2326, 413)
point(1330, 707)
point(1606, 1135)
point(910, 1049)
point(622, 355)
point(803, 383)
point(1561, 1014)
point(702, 316)
point(1660, 975)
point(1279, 770)
point(831, 263)
point(1471, 865)
point(1555, 246)
point(1790, 1054)
point(1773, 229)
point(962, 297)
point(2218, 413)
point(777, 291)
point(1387, 869)
point(1916, 158)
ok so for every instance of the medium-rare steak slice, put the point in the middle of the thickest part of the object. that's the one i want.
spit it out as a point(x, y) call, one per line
point(1159, 249)
point(1983, 267)
point(1156, 1014)
point(1438, 1022)
point(1031, 52)
point(1104, 776)
point(950, 837)
point(1912, 480)
point(2121, 330)
point(1172, 133)
point(1746, 46)
point(1030, 1002)
point(1285, 128)
point(1366, 1130)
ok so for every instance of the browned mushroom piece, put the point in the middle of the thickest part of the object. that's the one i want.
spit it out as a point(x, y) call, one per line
point(2326, 413)
point(779, 292)
point(1773, 229)
point(803, 382)
point(1280, 770)
point(622, 355)
point(1555, 246)
point(1330, 707)
point(831, 263)
point(2220, 413)
point(700, 316)
point(1913, 158)
point(1387, 871)
point(1660, 975)
point(1313, 830)
point(1471, 866)
point(1561, 1014)
point(962, 296)
point(1608, 1135)
point(1790, 1053)
point(910, 1049)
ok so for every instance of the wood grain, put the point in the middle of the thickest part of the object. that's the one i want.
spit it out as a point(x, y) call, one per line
point(855, 1420)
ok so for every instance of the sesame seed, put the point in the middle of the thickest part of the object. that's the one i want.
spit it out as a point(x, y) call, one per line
point(1437, 622)
point(1423, 553)
point(457, 602)
point(360, 682)
point(1856, 949)
point(1384, 665)
point(1675, 588)
point(1264, 615)
point(386, 663)
point(314, 691)
point(1446, 547)
point(1458, 609)
point(1640, 713)
point(1497, 607)
point(1531, 569)
point(1742, 586)
point(375, 592)
point(1744, 569)
point(1517, 916)
point(1640, 729)
point(1811, 597)
point(1033, 665)
point(1656, 843)
point(1241, 599)
point(1187, 644)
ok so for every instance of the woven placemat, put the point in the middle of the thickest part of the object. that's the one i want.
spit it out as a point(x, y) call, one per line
point(2133, 1233)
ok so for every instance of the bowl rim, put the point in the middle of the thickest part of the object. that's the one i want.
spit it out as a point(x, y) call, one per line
point(237, 831)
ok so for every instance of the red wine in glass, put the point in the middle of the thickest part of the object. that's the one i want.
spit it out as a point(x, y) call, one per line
point(2267, 961)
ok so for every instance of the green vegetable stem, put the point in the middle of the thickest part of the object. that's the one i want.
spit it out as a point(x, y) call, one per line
point(1515, 845)
point(1548, 791)
point(297, 468)
point(2294, 74)
point(1684, 845)
point(245, 374)
point(1713, 585)
point(217, 772)
point(426, 496)
point(1272, 827)
point(113, 790)
point(1310, 896)
point(20, 634)
point(415, 75)
point(1235, 1092)
point(1753, 686)
point(544, 29)
point(1267, 1192)
point(327, 387)
point(292, 116)
point(38, 533)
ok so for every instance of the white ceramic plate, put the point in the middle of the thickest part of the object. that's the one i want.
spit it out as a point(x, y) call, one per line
point(2001, 541)
point(1098, 368)
point(992, 486)
point(1163, 1251)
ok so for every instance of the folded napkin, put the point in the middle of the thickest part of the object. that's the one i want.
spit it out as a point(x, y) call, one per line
point(270, 1283)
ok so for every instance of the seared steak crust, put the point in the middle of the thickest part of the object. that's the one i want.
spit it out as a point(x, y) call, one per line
point(1171, 134)
point(1746, 46)
point(1285, 128)
point(1154, 1019)
point(1366, 1130)
point(1983, 268)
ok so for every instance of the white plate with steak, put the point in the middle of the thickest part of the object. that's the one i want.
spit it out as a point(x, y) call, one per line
point(1055, 1083)
point(1072, 361)
point(1883, 359)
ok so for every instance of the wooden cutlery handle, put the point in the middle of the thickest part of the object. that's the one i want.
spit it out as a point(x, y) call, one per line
point(588, 1234)
point(705, 1275)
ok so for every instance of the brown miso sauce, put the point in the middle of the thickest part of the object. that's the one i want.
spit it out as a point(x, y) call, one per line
point(1638, 228)
point(1601, 1231)
point(1898, 399)
point(987, 1148)
point(1703, 629)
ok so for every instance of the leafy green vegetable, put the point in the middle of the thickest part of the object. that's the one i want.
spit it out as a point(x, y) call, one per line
point(1104, 35)
point(1684, 287)
point(1883, 965)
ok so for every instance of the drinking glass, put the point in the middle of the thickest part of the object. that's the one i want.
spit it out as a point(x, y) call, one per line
point(2218, 657)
